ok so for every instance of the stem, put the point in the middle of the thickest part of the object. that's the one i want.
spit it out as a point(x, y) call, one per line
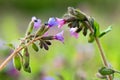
point(100, 49)
point(15, 52)
point(103, 56)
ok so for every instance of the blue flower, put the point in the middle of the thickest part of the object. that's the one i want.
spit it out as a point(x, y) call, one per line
point(52, 22)
point(59, 36)
point(37, 22)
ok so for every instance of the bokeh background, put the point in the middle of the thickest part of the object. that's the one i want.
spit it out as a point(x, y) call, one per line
point(75, 59)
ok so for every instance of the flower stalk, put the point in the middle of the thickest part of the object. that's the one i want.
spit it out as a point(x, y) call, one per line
point(17, 50)
point(104, 60)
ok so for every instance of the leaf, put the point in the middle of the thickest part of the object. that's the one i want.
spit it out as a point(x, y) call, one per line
point(17, 61)
point(106, 71)
point(11, 45)
point(95, 26)
point(96, 29)
point(35, 47)
point(105, 31)
point(91, 38)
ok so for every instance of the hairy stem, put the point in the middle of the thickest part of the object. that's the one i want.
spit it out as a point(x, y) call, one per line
point(15, 52)
point(100, 49)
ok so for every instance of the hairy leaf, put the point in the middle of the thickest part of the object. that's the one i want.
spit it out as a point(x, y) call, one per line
point(106, 71)
point(105, 31)
point(96, 29)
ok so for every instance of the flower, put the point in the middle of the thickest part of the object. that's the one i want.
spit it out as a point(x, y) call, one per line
point(73, 32)
point(48, 78)
point(37, 22)
point(52, 22)
point(61, 22)
point(59, 36)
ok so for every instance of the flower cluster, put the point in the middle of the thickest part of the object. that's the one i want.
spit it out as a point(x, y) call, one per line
point(53, 22)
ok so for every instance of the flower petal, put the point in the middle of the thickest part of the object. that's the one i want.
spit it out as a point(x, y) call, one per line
point(61, 22)
point(52, 22)
point(73, 32)
point(59, 36)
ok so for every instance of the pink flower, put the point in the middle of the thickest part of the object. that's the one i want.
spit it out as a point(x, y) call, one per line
point(61, 22)
point(73, 32)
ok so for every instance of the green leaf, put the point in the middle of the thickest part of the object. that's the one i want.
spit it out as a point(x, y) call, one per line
point(106, 71)
point(11, 45)
point(95, 26)
point(17, 61)
point(91, 38)
point(105, 31)
point(35, 47)
point(96, 29)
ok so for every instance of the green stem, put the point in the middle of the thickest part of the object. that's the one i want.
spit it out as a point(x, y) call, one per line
point(104, 60)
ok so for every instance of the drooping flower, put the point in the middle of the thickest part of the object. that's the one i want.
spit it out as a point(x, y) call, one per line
point(61, 22)
point(52, 22)
point(73, 32)
point(37, 22)
point(59, 36)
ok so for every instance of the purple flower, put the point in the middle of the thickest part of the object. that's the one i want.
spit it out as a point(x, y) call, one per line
point(37, 22)
point(59, 36)
point(48, 78)
point(73, 32)
point(61, 22)
point(52, 22)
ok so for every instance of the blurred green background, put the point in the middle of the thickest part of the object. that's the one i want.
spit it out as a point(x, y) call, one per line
point(73, 60)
